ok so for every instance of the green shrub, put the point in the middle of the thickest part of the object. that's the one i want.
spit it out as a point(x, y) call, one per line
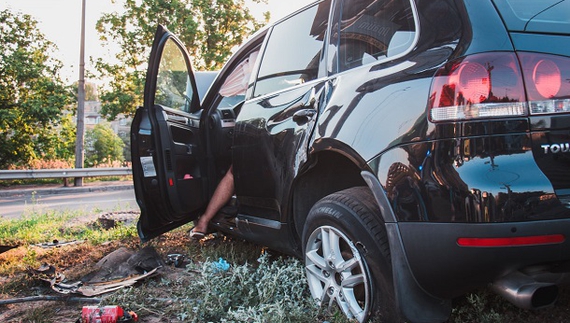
point(269, 291)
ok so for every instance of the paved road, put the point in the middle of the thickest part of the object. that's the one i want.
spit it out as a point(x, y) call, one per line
point(16, 205)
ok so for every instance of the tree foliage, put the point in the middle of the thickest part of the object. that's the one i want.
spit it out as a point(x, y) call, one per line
point(90, 91)
point(32, 95)
point(208, 28)
point(102, 145)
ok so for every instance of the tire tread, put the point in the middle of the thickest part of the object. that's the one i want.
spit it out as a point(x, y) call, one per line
point(360, 202)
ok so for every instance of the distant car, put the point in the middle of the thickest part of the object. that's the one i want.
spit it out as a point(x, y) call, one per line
point(204, 80)
point(408, 150)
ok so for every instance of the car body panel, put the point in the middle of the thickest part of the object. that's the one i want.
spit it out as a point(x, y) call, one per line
point(548, 16)
point(445, 269)
point(474, 179)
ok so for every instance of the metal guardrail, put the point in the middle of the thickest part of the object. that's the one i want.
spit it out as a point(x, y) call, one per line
point(64, 173)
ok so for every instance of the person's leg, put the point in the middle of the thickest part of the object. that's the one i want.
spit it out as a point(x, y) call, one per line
point(221, 196)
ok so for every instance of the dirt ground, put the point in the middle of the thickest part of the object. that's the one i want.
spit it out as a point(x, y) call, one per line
point(76, 261)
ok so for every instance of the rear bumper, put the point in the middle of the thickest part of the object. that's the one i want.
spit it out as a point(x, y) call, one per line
point(445, 269)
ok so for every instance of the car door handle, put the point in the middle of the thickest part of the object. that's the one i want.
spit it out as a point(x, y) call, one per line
point(304, 116)
point(307, 111)
point(178, 119)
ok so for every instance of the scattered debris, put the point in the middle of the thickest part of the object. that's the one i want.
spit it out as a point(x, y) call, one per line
point(47, 273)
point(66, 299)
point(123, 263)
point(6, 248)
point(175, 259)
point(107, 314)
point(95, 289)
point(220, 265)
point(119, 269)
point(56, 243)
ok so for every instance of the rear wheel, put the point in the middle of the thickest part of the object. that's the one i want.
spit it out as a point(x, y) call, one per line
point(347, 256)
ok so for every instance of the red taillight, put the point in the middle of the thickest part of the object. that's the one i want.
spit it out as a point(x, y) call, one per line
point(547, 80)
point(512, 241)
point(479, 86)
point(472, 80)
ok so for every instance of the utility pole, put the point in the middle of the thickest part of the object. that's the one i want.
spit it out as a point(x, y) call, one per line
point(79, 141)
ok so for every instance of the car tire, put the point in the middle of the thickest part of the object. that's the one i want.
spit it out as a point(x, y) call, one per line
point(352, 269)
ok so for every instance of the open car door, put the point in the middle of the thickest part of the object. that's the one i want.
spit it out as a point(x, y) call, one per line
point(168, 160)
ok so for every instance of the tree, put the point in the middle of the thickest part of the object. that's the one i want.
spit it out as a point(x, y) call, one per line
point(32, 95)
point(208, 28)
point(125, 137)
point(102, 145)
point(58, 139)
point(90, 91)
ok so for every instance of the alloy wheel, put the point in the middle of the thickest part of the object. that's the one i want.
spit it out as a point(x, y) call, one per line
point(337, 273)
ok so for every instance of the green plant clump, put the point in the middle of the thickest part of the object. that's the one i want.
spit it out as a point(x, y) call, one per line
point(270, 291)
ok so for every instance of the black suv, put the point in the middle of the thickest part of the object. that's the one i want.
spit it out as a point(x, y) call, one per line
point(408, 150)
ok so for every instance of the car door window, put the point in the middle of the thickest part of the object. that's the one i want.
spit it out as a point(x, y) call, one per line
point(293, 51)
point(173, 86)
point(372, 30)
point(235, 86)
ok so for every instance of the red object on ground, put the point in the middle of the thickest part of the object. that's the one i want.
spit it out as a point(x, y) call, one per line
point(106, 314)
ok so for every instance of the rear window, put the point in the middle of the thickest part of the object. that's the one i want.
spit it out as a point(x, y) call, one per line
point(371, 31)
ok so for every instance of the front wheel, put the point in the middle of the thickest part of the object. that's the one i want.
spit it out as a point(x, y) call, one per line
point(347, 257)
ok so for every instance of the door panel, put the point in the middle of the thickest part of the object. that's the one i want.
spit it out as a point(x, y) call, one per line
point(178, 144)
point(168, 162)
point(270, 146)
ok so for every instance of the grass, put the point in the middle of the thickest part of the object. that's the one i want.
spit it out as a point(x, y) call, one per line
point(257, 285)
point(34, 228)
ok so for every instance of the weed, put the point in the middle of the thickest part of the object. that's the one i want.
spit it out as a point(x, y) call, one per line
point(239, 252)
point(482, 306)
point(37, 315)
point(267, 290)
point(30, 258)
point(32, 228)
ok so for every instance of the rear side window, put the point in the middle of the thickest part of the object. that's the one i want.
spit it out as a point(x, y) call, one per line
point(293, 51)
point(371, 30)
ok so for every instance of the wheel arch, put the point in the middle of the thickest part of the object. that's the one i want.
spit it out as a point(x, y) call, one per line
point(329, 172)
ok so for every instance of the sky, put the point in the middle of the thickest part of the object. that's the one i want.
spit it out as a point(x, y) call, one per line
point(60, 21)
